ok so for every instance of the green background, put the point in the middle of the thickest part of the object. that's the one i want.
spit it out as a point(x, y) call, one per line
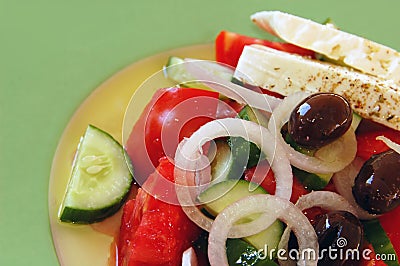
point(54, 53)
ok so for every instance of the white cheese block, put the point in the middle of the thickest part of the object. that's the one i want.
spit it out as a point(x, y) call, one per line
point(284, 73)
point(362, 54)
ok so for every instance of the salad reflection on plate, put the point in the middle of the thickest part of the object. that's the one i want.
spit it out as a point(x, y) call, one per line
point(272, 134)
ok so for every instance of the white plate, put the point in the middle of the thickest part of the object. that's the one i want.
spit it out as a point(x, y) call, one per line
point(104, 108)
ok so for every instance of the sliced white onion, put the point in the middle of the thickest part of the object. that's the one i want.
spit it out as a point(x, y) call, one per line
point(325, 199)
point(189, 257)
point(393, 145)
point(344, 182)
point(201, 70)
point(277, 208)
point(188, 162)
point(329, 159)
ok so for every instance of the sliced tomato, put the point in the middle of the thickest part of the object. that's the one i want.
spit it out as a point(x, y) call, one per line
point(234, 109)
point(390, 223)
point(171, 115)
point(154, 232)
point(229, 47)
point(368, 145)
point(269, 184)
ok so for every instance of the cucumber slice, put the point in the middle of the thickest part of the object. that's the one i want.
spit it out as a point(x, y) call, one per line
point(252, 114)
point(176, 71)
point(100, 181)
point(244, 151)
point(221, 165)
point(240, 252)
point(230, 160)
point(312, 181)
point(356, 121)
point(220, 195)
point(380, 242)
point(245, 154)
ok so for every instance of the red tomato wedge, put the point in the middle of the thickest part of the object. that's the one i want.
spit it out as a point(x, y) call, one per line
point(368, 145)
point(171, 115)
point(154, 232)
point(268, 182)
point(229, 47)
point(390, 223)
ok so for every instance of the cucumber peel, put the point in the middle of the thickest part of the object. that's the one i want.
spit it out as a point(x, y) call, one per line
point(376, 235)
point(312, 181)
point(246, 154)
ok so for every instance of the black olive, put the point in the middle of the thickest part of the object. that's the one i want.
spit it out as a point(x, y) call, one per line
point(377, 186)
point(340, 236)
point(320, 119)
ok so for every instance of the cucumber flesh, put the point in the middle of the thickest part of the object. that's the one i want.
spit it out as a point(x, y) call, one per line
point(100, 181)
point(219, 196)
point(269, 238)
point(175, 70)
point(222, 165)
point(222, 194)
point(252, 114)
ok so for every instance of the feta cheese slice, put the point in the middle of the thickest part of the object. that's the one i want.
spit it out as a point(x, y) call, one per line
point(285, 73)
point(362, 54)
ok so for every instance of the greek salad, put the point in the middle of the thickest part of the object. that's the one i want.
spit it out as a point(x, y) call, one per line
point(276, 153)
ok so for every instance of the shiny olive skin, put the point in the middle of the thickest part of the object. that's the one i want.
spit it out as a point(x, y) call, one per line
point(320, 119)
point(377, 186)
point(338, 230)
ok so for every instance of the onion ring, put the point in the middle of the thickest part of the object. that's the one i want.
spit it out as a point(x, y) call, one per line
point(391, 144)
point(277, 208)
point(187, 163)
